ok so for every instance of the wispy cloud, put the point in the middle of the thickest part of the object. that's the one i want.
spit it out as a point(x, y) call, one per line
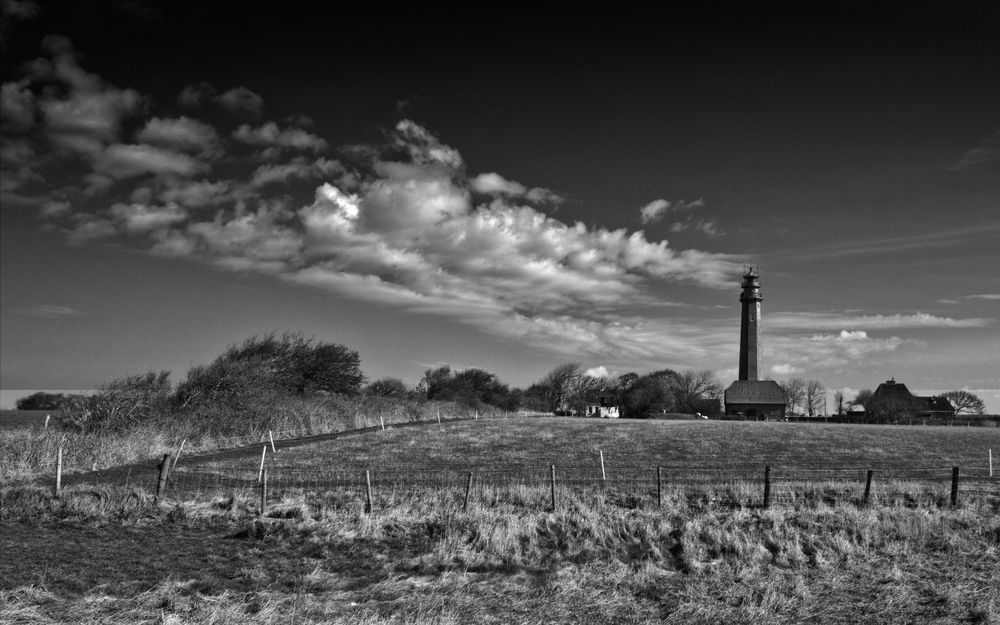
point(50, 311)
point(657, 209)
point(887, 245)
point(980, 156)
point(837, 321)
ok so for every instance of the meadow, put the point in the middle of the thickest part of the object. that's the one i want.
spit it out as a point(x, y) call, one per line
point(103, 552)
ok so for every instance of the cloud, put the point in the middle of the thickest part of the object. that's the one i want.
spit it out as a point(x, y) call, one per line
point(597, 372)
point(826, 352)
point(423, 147)
point(50, 311)
point(980, 156)
point(195, 95)
point(270, 134)
point(182, 133)
point(653, 211)
point(123, 161)
point(241, 101)
point(708, 227)
point(833, 321)
point(140, 218)
point(657, 209)
point(986, 296)
point(296, 168)
point(495, 184)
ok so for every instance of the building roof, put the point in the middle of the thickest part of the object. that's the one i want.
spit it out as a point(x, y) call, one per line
point(893, 392)
point(755, 392)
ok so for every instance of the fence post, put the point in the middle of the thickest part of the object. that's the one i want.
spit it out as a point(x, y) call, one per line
point(991, 462)
point(659, 487)
point(369, 507)
point(954, 486)
point(161, 481)
point(468, 489)
point(767, 486)
point(552, 481)
point(47, 417)
point(263, 491)
point(868, 486)
point(59, 455)
point(263, 454)
point(271, 438)
point(381, 419)
point(604, 476)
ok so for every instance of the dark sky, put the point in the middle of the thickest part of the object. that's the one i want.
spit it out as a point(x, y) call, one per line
point(851, 151)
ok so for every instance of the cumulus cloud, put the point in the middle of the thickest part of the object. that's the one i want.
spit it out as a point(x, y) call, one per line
point(826, 351)
point(495, 184)
point(182, 133)
point(832, 321)
point(123, 161)
point(653, 211)
point(195, 95)
point(241, 101)
point(271, 134)
point(296, 168)
point(708, 227)
point(597, 372)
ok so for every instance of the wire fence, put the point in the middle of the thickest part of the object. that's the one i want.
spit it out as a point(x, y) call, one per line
point(542, 486)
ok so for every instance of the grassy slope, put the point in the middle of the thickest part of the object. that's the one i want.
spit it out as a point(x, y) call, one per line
point(101, 554)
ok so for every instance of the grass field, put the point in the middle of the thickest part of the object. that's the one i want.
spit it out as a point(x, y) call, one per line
point(103, 553)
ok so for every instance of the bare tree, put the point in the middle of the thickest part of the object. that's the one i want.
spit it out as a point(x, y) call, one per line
point(839, 402)
point(815, 397)
point(863, 398)
point(691, 386)
point(561, 384)
point(964, 401)
point(795, 393)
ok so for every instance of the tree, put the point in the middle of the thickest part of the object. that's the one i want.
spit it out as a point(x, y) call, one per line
point(965, 402)
point(649, 394)
point(691, 386)
point(42, 401)
point(839, 402)
point(387, 387)
point(863, 398)
point(795, 393)
point(561, 385)
point(815, 397)
point(470, 387)
point(255, 372)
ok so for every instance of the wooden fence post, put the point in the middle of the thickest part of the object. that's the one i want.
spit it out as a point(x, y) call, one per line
point(468, 489)
point(381, 419)
point(659, 487)
point(47, 417)
point(369, 506)
point(954, 486)
point(552, 481)
point(604, 476)
point(263, 491)
point(868, 486)
point(991, 461)
point(59, 456)
point(767, 486)
point(161, 481)
point(271, 438)
point(263, 454)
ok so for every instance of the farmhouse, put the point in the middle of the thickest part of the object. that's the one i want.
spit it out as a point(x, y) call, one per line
point(602, 403)
point(893, 400)
point(748, 396)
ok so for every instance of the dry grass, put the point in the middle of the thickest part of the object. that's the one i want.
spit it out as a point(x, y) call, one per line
point(105, 553)
point(318, 558)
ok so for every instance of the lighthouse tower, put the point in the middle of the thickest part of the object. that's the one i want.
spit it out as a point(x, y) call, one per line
point(750, 301)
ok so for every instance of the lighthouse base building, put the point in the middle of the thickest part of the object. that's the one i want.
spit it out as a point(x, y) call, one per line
point(749, 397)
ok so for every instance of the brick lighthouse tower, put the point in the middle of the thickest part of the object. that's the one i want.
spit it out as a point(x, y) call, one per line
point(750, 301)
point(750, 397)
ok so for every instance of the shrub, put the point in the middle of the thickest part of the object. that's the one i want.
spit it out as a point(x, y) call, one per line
point(121, 404)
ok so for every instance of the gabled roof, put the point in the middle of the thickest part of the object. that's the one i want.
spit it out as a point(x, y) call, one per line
point(755, 392)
